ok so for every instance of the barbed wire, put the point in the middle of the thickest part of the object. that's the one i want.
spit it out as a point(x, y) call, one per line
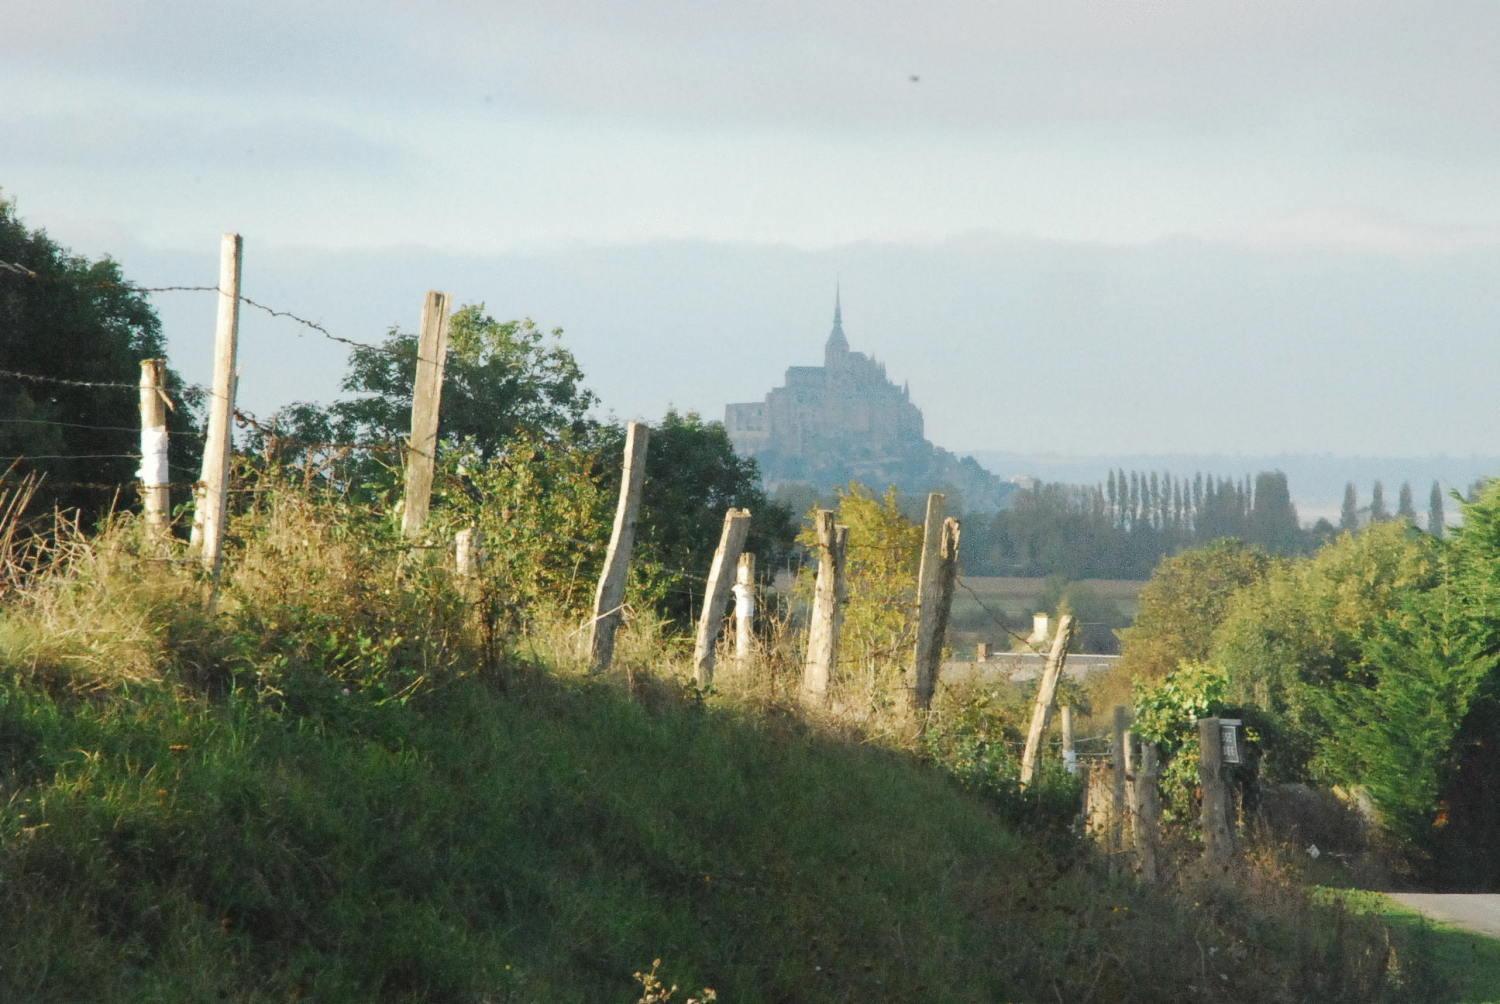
point(997, 618)
point(69, 382)
point(24, 272)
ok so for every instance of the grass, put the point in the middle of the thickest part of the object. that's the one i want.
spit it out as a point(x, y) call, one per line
point(1468, 962)
point(326, 790)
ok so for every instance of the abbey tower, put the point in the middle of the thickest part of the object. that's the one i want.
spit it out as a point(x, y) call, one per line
point(846, 420)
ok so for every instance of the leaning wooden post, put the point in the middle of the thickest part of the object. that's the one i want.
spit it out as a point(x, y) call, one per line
point(716, 593)
point(211, 509)
point(936, 578)
point(1147, 811)
point(426, 401)
point(1218, 839)
point(1069, 753)
point(156, 495)
point(744, 610)
point(927, 599)
point(1046, 694)
point(822, 629)
point(610, 596)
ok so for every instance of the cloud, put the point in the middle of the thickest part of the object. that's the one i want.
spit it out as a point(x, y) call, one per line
point(126, 139)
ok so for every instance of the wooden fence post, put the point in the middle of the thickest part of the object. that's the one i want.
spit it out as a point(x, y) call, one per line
point(1218, 838)
point(823, 628)
point(212, 496)
point(716, 594)
point(610, 595)
point(744, 610)
point(1147, 811)
point(466, 552)
point(1069, 753)
point(426, 402)
point(935, 583)
point(1046, 694)
point(1119, 831)
point(156, 495)
point(927, 597)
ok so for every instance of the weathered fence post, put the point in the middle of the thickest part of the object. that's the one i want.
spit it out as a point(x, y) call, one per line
point(1218, 837)
point(611, 592)
point(716, 593)
point(927, 597)
point(823, 627)
point(156, 495)
point(1046, 694)
point(936, 579)
point(1069, 754)
point(426, 401)
point(466, 552)
point(212, 496)
point(1119, 832)
point(744, 610)
point(1147, 811)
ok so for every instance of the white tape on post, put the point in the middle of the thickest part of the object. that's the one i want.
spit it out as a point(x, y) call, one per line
point(153, 472)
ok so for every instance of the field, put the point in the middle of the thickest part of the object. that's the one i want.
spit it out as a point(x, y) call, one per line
point(984, 607)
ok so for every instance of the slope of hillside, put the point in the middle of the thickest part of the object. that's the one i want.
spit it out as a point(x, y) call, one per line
point(545, 845)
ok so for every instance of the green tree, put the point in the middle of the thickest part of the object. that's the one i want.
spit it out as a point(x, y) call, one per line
point(1272, 524)
point(693, 476)
point(1395, 735)
point(1378, 513)
point(500, 378)
point(1349, 511)
point(72, 319)
point(1406, 509)
point(1302, 629)
point(1437, 522)
point(1182, 605)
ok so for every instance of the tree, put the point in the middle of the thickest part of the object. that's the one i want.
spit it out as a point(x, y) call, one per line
point(72, 319)
point(1378, 513)
point(1405, 508)
point(500, 378)
point(693, 476)
point(1272, 523)
point(1349, 511)
point(1437, 523)
point(1302, 629)
point(1183, 603)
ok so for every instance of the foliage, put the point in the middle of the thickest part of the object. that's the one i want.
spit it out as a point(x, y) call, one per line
point(693, 476)
point(1122, 528)
point(500, 378)
point(541, 514)
point(1167, 713)
point(80, 320)
point(976, 736)
point(1182, 605)
point(880, 573)
point(1303, 628)
point(1394, 735)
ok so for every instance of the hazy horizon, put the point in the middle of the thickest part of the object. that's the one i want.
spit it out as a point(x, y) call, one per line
point(1074, 227)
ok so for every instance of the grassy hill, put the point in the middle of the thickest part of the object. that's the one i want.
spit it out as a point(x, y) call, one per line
point(322, 791)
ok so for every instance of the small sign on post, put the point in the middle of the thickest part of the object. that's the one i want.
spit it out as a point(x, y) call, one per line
point(1229, 739)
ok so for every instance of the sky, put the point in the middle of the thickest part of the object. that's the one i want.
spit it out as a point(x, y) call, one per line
point(1118, 226)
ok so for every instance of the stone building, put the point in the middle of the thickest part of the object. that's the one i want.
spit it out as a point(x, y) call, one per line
point(847, 421)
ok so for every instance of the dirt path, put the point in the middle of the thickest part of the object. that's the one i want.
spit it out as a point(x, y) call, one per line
point(1477, 912)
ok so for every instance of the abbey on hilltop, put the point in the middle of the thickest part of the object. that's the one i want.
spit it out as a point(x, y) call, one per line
point(846, 421)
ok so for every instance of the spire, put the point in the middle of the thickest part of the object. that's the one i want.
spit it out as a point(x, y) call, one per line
point(836, 340)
